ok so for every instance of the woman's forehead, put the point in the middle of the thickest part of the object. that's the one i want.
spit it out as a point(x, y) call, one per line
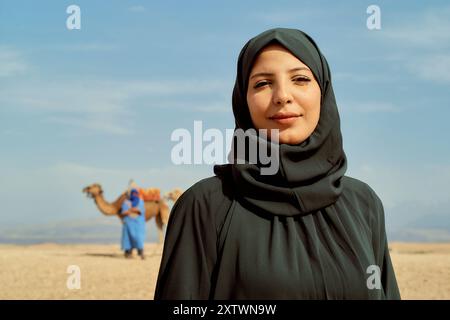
point(272, 55)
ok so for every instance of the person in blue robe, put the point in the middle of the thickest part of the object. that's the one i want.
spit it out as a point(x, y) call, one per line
point(133, 228)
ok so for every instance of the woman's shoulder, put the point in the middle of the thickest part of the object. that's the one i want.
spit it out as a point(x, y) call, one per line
point(205, 190)
point(207, 199)
point(360, 189)
point(364, 197)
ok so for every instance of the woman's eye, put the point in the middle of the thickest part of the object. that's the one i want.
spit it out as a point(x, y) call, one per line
point(298, 79)
point(302, 79)
point(260, 84)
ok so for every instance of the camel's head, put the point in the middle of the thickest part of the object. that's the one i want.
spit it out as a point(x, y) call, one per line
point(93, 190)
point(174, 194)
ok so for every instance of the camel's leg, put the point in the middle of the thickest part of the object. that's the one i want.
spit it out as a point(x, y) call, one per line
point(159, 225)
point(165, 215)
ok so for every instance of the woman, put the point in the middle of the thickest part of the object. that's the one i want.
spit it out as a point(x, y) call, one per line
point(133, 228)
point(306, 232)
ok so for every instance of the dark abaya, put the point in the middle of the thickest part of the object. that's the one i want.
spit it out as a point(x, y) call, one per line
point(306, 232)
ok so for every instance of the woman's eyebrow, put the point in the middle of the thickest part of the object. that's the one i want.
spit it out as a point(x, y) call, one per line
point(270, 74)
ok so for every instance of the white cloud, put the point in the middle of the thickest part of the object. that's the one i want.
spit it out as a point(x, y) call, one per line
point(213, 108)
point(101, 105)
point(85, 47)
point(277, 16)
point(100, 96)
point(67, 97)
point(287, 15)
point(424, 41)
point(433, 67)
point(426, 184)
point(178, 88)
point(137, 8)
point(369, 107)
point(363, 77)
point(431, 28)
point(11, 62)
point(93, 122)
point(96, 104)
point(13, 132)
point(88, 105)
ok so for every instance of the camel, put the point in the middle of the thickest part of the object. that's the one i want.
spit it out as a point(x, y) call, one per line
point(174, 194)
point(158, 209)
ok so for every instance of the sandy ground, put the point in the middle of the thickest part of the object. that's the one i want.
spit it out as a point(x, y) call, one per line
point(41, 271)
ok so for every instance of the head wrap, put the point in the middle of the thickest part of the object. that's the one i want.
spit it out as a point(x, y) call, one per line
point(134, 197)
point(309, 175)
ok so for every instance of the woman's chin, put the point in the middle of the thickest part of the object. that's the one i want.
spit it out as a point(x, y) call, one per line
point(291, 141)
point(292, 135)
point(289, 137)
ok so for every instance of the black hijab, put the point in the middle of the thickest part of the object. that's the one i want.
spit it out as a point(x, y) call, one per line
point(309, 175)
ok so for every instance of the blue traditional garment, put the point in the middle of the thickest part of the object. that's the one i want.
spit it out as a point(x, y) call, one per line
point(133, 229)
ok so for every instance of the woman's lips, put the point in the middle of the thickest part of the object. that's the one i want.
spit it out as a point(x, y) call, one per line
point(287, 118)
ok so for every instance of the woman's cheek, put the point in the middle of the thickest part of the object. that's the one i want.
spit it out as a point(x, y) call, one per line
point(257, 108)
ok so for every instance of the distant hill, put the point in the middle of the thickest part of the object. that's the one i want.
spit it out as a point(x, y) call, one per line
point(433, 227)
point(97, 230)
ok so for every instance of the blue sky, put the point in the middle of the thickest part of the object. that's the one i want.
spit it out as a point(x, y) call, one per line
point(99, 104)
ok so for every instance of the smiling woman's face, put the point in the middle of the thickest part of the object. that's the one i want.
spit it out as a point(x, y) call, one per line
point(283, 94)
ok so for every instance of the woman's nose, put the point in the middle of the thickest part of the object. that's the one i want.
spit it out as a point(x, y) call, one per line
point(281, 96)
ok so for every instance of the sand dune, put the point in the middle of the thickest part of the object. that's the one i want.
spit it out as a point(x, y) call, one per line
point(40, 271)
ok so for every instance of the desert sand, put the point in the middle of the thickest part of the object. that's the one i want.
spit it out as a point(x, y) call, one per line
point(40, 271)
